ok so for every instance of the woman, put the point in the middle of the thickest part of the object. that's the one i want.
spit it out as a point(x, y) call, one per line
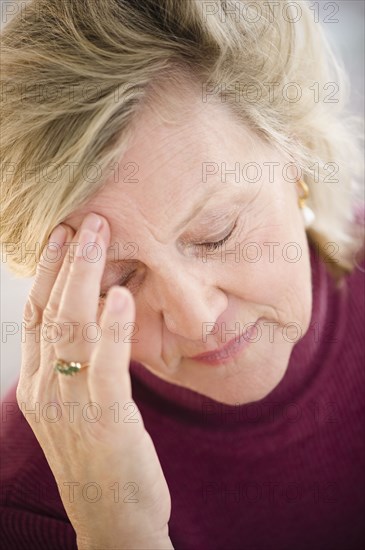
point(189, 153)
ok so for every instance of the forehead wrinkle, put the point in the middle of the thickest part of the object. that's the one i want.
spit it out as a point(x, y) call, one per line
point(165, 144)
point(175, 188)
point(180, 162)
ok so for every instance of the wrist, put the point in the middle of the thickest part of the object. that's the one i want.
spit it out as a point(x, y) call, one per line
point(151, 542)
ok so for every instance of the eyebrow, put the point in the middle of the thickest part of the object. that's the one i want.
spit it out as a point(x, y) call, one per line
point(212, 216)
point(198, 207)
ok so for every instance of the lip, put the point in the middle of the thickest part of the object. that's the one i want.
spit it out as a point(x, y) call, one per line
point(228, 351)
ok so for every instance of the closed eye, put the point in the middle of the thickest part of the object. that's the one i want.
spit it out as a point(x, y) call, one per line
point(210, 246)
point(217, 244)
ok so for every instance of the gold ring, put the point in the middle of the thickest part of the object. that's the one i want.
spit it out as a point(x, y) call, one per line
point(68, 367)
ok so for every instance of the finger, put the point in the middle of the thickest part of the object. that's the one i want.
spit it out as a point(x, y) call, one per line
point(47, 271)
point(59, 285)
point(78, 309)
point(49, 266)
point(80, 294)
point(80, 297)
point(108, 374)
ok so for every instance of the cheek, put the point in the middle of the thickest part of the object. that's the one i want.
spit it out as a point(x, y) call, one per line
point(274, 266)
point(147, 336)
point(294, 293)
point(272, 274)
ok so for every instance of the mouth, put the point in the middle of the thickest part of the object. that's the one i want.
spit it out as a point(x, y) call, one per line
point(229, 350)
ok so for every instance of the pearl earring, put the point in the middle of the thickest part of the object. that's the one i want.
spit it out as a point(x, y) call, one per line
point(307, 213)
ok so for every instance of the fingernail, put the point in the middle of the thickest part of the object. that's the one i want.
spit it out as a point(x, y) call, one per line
point(58, 236)
point(92, 222)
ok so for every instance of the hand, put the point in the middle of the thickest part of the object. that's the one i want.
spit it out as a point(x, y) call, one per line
point(108, 474)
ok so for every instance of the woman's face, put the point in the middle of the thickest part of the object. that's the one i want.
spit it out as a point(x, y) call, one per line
point(193, 185)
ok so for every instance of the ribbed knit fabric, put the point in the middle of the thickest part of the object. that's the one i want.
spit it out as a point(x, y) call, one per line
point(284, 472)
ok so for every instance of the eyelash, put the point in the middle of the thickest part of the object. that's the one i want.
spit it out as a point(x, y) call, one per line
point(214, 246)
point(102, 296)
point(207, 246)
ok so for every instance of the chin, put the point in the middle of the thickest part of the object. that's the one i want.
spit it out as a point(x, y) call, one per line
point(239, 390)
point(239, 382)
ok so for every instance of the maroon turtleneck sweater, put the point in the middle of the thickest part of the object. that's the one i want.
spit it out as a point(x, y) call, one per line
point(284, 472)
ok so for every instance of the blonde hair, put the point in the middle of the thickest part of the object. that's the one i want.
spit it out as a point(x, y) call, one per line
point(74, 75)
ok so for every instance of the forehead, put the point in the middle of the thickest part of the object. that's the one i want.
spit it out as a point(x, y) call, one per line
point(160, 175)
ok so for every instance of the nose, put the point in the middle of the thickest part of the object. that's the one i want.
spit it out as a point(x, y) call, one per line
point(190, 305)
